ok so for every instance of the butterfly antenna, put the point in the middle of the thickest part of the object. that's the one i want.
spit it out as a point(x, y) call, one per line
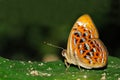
point(49, 44)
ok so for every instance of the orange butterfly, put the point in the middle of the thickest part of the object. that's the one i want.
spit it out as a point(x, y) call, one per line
point(84, 47)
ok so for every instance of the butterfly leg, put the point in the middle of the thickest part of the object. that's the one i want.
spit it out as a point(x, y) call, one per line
point(67, 65)
point(79, 67)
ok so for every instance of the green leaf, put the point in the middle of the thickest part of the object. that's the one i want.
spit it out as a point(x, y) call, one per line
point(21, 70)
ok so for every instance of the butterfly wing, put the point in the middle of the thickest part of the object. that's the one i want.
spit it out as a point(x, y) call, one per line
point(84, 48)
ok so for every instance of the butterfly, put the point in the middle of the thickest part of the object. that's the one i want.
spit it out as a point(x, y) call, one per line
point(84, 47)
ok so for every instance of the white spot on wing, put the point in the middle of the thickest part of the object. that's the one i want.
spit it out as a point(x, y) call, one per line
point(94, 49)
point(91, 36)
point(87, 57)
point(75, 41)
point(81, 24)
point(88, 47)
point(81, 51)
point(83, 39)
point(77, 32)
point(91, 54)
point(86, 29)
point(80, 46)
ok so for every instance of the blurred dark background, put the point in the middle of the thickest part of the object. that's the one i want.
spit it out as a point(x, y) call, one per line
point(26, 24)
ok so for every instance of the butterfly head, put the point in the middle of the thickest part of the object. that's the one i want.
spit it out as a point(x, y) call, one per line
point(64, 53)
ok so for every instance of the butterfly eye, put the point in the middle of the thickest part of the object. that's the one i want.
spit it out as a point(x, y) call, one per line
point(64, 52)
